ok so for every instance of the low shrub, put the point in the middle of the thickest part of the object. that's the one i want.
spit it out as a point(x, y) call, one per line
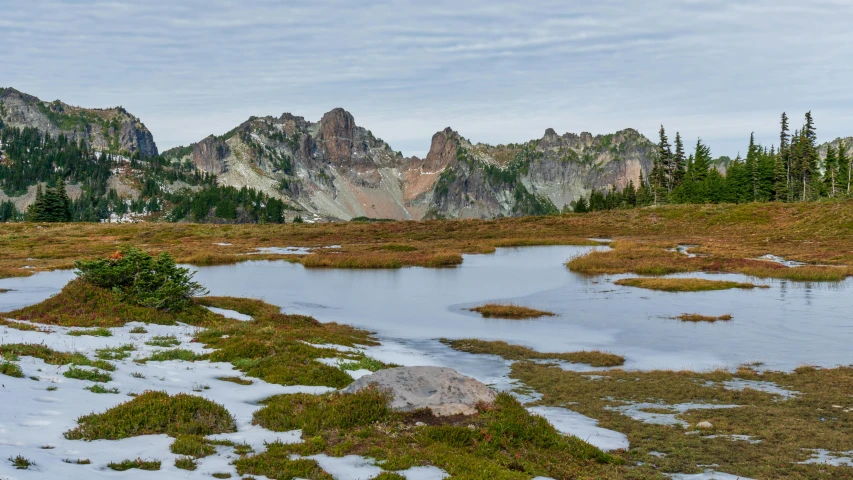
point(312, 413)
point(141, 279)
point(153, 413)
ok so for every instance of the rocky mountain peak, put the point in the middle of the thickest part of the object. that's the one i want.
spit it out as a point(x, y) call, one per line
point(336, 135)
point(442, 150)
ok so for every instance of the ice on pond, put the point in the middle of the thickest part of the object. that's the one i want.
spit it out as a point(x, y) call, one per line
point(569, 422)
point(282, 250)
point(230, 314)
point(637, 411)
point(290, 250)
point(416, 305)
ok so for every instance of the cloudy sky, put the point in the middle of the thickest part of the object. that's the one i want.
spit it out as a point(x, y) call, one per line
point(497, 71)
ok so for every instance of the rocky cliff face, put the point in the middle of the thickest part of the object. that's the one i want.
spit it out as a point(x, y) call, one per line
point(847, 142)
point(338, 169)
point(112, 129)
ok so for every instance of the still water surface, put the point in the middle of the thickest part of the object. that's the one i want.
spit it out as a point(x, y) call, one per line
point(785, 326)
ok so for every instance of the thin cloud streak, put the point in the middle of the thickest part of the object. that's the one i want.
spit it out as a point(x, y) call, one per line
point(496, 71)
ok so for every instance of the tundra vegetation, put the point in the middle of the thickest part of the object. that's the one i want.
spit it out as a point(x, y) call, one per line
point(767, 435)
point(509, 311)
point(695, 317)
point(683, 284)
point(729, 238)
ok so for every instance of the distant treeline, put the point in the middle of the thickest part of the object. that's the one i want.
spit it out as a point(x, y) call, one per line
point(52, 164)
point(792, 173)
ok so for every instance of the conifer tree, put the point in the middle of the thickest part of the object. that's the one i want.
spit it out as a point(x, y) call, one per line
point(701, 161)
point(809, 158)
point(752, 168)
point(783, 154)
point(830, 165)
point(679, 166)
point(844, 167)
point(630, 194)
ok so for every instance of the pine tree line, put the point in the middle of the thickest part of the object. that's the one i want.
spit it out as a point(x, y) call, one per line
point(791, 173)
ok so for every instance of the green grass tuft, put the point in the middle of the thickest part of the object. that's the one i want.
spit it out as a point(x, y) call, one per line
point(115, 353)
point(138, 464)
point(98, 388)
point(312, 413)
point(195, 446)
point(163, 341)
point(186, 463)
point(173, 354)
point(86, 374)
point(155, 413)
point(237, 380)
point(21, 463)
point(93, 332)
point(364, 363)
point(11, 369)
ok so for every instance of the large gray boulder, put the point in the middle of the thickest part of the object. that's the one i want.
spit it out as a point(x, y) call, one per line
point(442, 390)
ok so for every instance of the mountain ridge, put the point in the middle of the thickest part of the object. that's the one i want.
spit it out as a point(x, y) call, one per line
point(113, 129)
point(334, 167)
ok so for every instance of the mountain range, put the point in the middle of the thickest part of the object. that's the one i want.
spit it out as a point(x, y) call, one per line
point(336, 169)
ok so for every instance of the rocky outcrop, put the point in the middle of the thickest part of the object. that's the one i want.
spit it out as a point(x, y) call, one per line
point(111, 129)
point(442, 390)
point(838, 142)
point(336, 136)
point(209, 155)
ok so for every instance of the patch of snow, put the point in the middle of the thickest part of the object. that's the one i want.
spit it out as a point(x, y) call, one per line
point(736, 438)
point(569, 422)
point(685, 250)
point(835, 459)
point(34, 416)
point(780, 260)
point(223, 244)
point(762, 386)
point(350, 467)
point(707, 475)
point(636, 411)
point(423, 473)
point(230, 314)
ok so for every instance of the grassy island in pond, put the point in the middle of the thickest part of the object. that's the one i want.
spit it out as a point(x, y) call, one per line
point(696, 318)
point(683, 284)
point(509, 351)
point(510, 311)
